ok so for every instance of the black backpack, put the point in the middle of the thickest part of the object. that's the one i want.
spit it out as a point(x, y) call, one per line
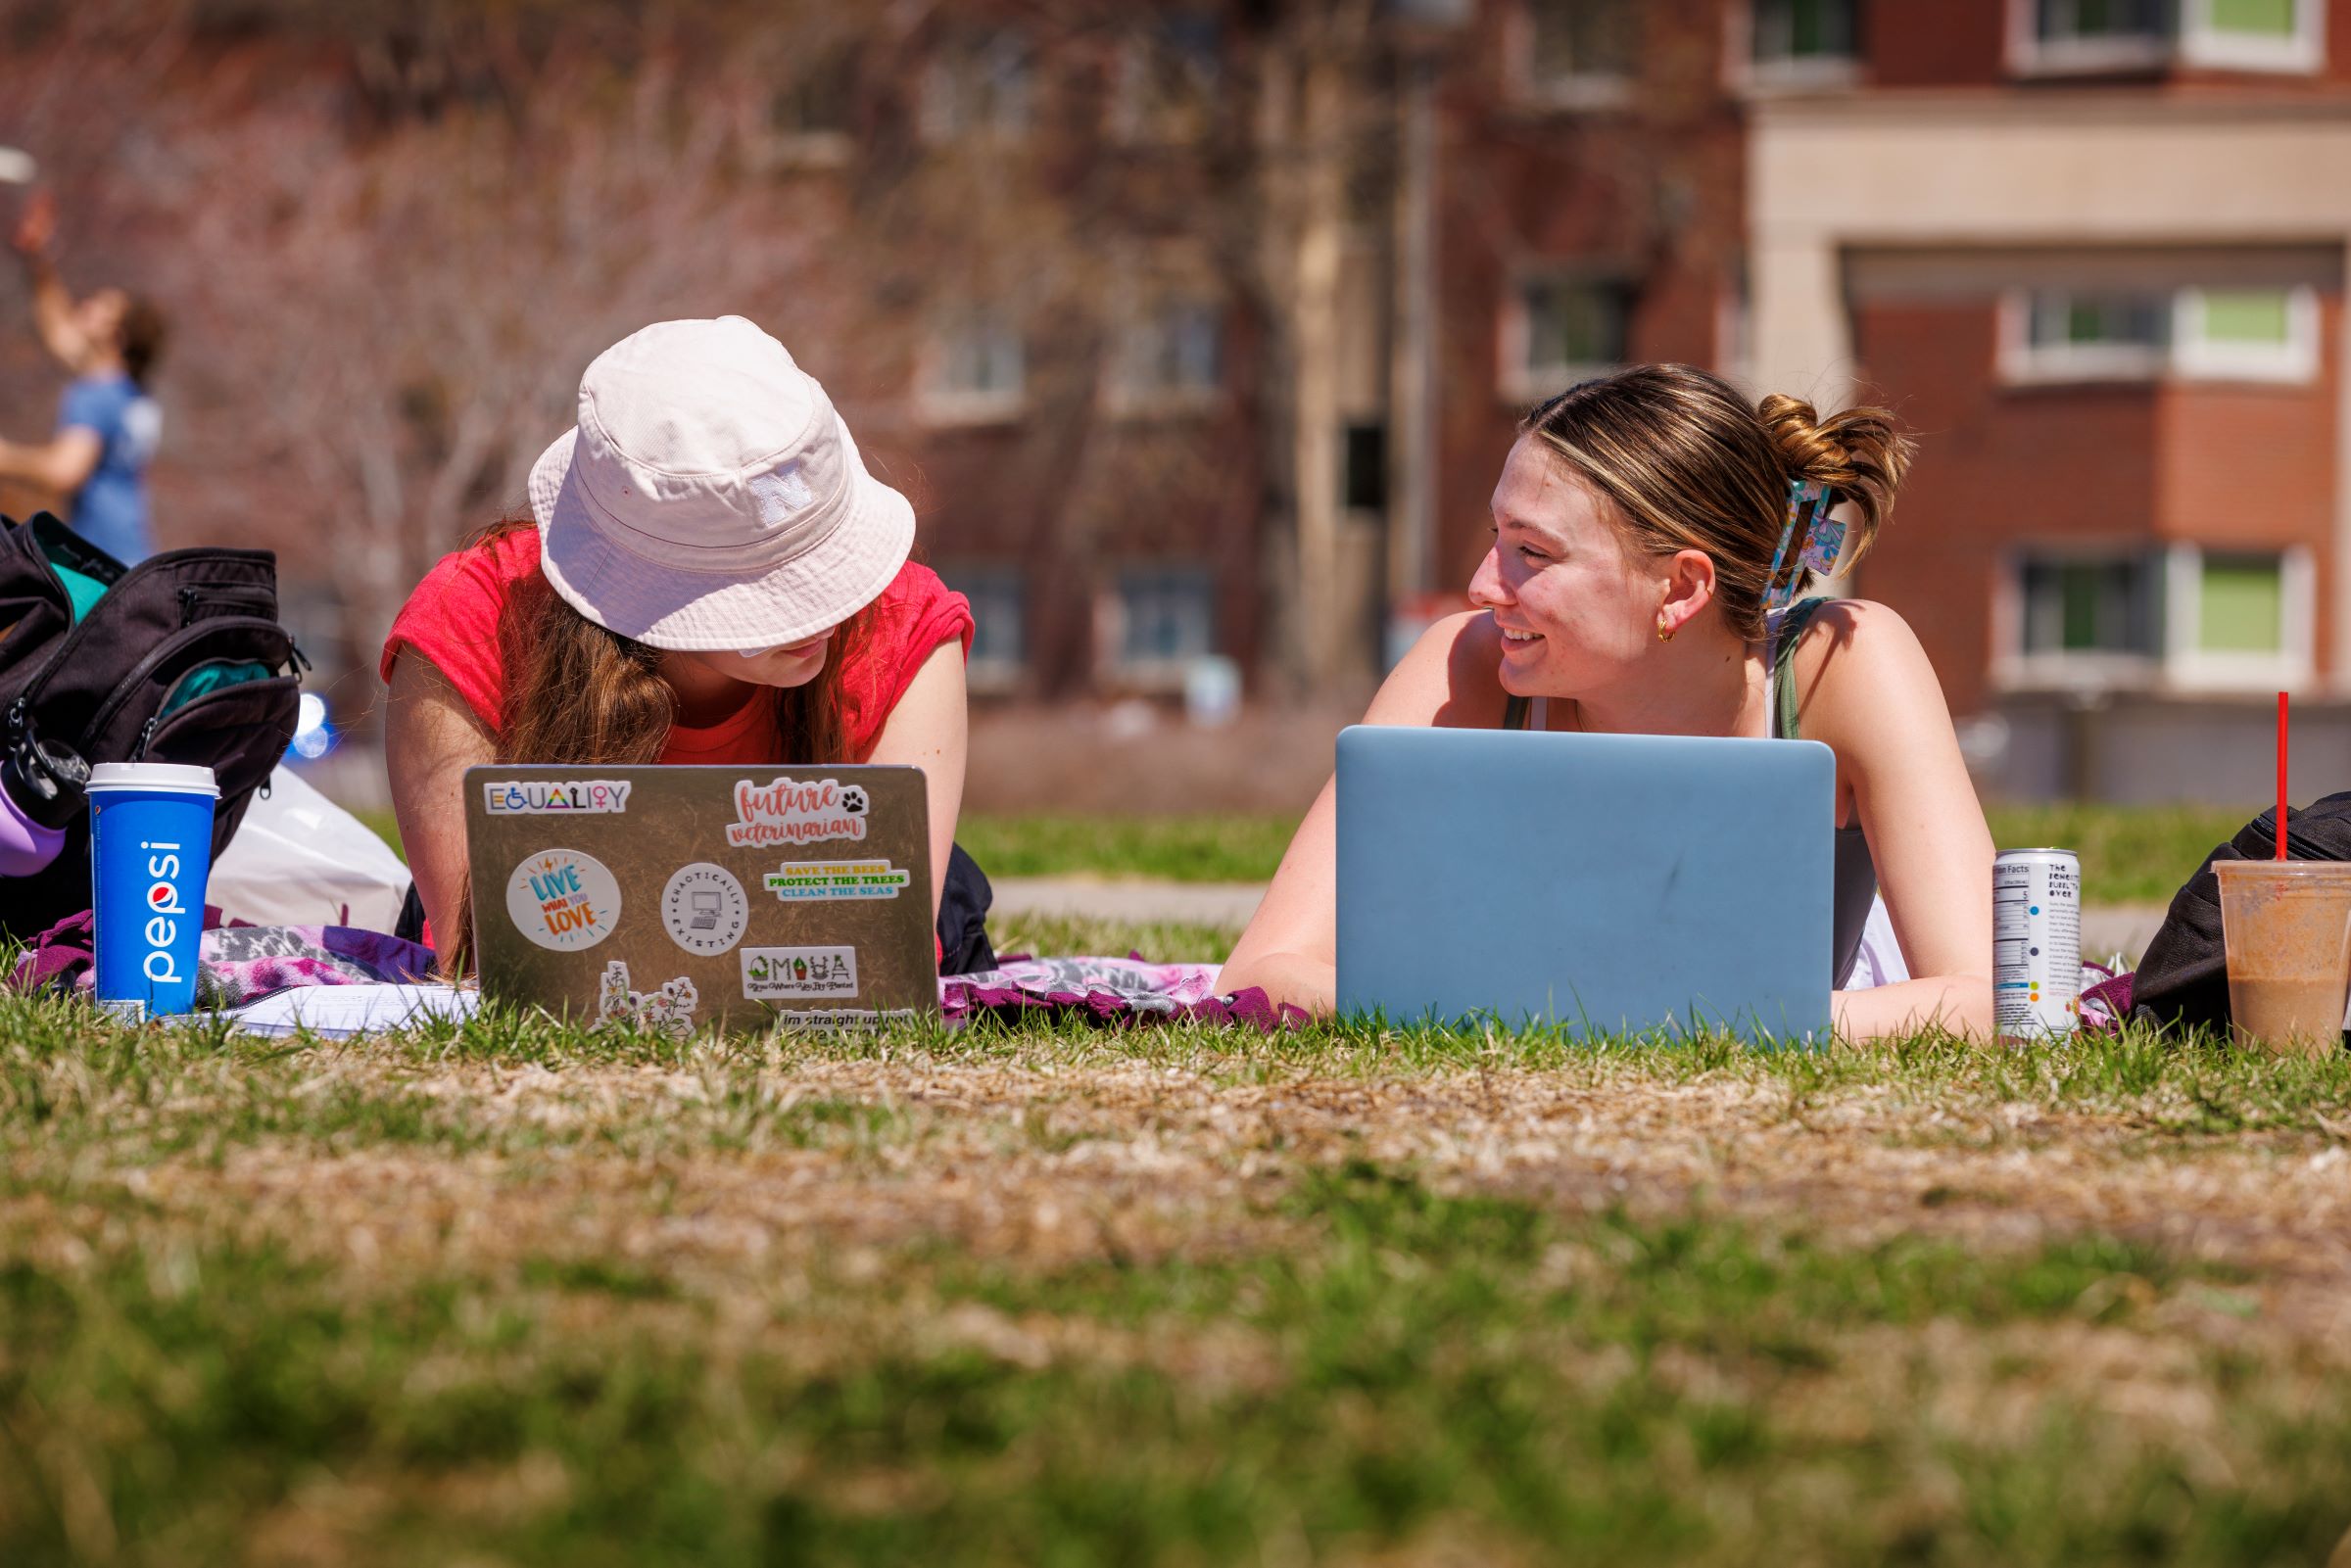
point(2183, 978)
point(181, 660)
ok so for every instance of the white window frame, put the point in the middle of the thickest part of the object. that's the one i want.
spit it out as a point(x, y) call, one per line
point(1136, 298)
point(1520, 382)
point(1578, 89)
point(2179, 665)
point(2295, 362)
point(944, 121)
point(2202, 43)
point(2029, 55)
point(1153, 674)
point(2015, 669)
point(2188, 667)
point(1745, 73)
point(941, 403)
point(2188, 356)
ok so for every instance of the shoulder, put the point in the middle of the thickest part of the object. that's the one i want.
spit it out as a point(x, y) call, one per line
point(93, 398)
point(454, 614)
point(1855, 655)
point(916, 613)
point(1449, 678)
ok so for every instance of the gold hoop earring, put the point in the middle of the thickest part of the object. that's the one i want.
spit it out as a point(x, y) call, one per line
point(1665, 632)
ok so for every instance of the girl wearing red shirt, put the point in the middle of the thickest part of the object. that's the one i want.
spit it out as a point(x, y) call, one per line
point(708, 574)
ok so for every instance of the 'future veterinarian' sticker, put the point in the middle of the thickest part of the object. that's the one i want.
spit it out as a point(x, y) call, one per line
point(703, 908)
point(790, 973)
point(669, 1009)
point(556, 797)
point(838, 878)
point(795, 811)
point(563, 899)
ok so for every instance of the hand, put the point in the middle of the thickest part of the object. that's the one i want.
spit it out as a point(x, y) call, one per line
point(37, 228)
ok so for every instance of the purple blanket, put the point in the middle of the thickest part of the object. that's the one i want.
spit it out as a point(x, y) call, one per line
point(239, 964)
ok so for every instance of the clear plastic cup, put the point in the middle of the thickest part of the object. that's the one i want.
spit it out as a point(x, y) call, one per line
point(2286, 928)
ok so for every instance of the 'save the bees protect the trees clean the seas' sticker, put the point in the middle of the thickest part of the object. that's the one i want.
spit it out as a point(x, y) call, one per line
point(563, 899)
point(836, 879)
point(793, 973)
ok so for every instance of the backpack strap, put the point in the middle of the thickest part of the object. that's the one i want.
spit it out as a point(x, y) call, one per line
point(1782, 642)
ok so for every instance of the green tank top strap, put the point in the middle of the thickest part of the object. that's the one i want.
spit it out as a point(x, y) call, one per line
point(1514, 712)
point(1793, 622)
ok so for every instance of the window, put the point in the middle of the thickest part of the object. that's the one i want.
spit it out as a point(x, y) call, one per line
point(812, 118)
point(976, 90)
point(2255, 35)
point(2068, 35)
point(2260, 334)
point(2179, 615)
point(1363, 481)
point(2241, 606)
point(2248, 334)
point(2102, 607)
point(1166, 617)
point(1581, 52)
point(1168, 80)
point(1560, 330)
point(999, 622)
point(1167, 354)
point(1803, 37)
point(972, 370)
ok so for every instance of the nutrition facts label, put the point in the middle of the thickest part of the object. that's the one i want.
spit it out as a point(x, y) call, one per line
point(2035, 941)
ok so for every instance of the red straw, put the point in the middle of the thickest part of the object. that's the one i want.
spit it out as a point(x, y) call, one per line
point(2281, 776)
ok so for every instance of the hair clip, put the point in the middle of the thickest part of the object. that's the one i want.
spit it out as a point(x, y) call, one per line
point(1808, 503)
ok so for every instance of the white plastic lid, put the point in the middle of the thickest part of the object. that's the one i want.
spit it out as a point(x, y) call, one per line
point(174, 777)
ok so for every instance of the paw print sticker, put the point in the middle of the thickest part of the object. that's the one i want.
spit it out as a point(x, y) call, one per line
point(852, 800)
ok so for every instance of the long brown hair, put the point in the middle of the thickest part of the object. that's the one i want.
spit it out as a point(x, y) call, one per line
point(1687, 465)
point(577, 693)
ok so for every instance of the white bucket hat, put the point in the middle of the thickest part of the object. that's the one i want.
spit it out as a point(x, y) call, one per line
point(710, 498)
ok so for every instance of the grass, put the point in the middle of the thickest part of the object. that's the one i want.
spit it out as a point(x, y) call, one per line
point(2130, 854)
point(1051, 1293)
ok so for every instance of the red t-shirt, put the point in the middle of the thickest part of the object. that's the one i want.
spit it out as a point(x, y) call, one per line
point(453, 619)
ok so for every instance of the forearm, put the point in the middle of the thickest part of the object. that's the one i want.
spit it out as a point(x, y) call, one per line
point(1959, 1003)
point(53, 310)
point(1288, 979)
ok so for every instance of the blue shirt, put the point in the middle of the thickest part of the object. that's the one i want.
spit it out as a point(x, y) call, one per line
point(110, 510)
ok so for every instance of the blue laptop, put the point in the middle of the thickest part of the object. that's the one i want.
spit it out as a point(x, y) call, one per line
point(1615, 884)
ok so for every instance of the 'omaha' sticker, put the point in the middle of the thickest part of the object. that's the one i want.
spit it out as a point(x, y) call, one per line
point(836, 879)
point(795, 811)
point(703, 908)
point(790, 973)
point(563, 899)
point(556, 797)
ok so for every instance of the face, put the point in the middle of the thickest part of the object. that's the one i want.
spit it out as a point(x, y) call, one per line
point(1576, 608)
point(791, 664)
point(99, 315)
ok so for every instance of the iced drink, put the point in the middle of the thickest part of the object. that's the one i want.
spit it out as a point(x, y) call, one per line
point(2286, 928)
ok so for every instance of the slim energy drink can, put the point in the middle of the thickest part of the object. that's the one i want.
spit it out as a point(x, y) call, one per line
point(2037, 942)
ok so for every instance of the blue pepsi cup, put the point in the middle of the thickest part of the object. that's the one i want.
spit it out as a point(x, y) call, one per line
point(151, 854)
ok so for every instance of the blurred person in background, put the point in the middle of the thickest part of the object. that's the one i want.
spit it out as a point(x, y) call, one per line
point(107, 424)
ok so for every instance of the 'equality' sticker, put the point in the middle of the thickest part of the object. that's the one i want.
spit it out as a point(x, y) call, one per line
point(554, 797)
point(795, 811)
point(838, 878)
point(563, 899)
point(703, 908)
point(790, 974)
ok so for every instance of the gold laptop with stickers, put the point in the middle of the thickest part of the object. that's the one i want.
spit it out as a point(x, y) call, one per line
point(685, 896)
